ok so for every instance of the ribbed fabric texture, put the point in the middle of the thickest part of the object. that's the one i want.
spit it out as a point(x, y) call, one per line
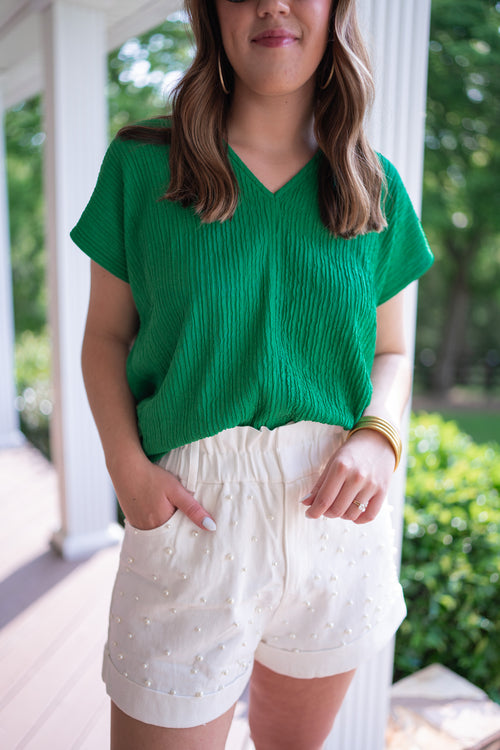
point(261, 320)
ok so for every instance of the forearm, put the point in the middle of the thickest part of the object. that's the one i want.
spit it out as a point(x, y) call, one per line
point(391, 379)
point(111, 401)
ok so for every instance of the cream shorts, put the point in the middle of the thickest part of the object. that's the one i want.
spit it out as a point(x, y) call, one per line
point(192, 609)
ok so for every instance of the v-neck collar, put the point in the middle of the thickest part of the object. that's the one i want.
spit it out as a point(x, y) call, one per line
point(291, 183)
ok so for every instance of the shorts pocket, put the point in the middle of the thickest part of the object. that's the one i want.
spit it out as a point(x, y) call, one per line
point(162, 529)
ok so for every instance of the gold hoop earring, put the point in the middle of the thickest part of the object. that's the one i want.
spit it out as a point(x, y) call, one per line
point(329, 79)
point(224, 87)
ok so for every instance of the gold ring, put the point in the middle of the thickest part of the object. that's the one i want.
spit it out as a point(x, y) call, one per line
point(361, 506)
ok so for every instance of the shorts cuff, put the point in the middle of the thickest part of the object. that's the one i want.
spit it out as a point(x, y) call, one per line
point(328, 662)
point(165, 710)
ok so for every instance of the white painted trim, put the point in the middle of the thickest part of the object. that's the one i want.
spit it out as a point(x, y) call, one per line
point(151, 15)
point(79, 546)
point(22, 11)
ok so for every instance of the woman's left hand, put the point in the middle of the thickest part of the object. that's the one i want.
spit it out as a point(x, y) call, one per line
point(360, 470)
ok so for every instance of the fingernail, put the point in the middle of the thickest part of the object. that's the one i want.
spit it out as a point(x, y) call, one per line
point(208, 524)
point(306, 498)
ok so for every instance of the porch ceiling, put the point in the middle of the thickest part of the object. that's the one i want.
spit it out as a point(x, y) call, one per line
point(21, 64)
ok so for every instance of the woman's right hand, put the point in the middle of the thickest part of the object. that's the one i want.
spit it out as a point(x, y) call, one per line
point(149, 496)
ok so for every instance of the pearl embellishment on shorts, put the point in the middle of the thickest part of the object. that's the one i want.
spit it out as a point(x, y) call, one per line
point(338, 620)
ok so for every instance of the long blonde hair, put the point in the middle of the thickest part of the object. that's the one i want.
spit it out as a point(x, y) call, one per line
point(350, 177)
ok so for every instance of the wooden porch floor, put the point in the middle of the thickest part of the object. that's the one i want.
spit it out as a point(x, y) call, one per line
point(53, 617)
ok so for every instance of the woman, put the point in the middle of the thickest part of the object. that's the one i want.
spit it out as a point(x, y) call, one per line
point(244, 352)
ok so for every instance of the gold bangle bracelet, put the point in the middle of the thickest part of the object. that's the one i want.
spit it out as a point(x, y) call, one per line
point(386, 429)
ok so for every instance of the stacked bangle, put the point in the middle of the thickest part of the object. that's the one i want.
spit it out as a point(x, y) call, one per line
point(386, 429)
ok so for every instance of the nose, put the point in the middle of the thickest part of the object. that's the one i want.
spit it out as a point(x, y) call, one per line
point(273, 8)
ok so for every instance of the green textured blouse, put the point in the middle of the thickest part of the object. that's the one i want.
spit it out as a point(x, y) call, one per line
point(260, 320)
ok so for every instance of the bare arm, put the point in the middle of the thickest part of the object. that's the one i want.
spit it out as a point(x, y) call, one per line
point(361, 469)
point(147, 494)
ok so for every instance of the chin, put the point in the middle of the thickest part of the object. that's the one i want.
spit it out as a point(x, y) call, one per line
point(276, 87)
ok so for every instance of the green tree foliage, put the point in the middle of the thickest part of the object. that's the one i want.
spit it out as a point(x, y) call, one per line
point(24, 136)
point(144, 70)
point(450, 568)
point(459, 302)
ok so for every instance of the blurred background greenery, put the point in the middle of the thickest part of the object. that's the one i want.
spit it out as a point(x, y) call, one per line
point(450, 567)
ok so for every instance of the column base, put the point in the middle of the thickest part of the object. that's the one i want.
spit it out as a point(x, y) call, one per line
point(12, 439)
point(74, 547)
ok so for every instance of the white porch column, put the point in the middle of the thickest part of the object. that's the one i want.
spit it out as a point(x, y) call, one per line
point(10, 434)
point(74, 40)
point(398, 35)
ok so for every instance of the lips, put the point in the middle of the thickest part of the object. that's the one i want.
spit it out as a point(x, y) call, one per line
point(275, 38)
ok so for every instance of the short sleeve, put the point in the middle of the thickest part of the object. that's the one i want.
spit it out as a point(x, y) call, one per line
point(404, 253)
point(100, 229)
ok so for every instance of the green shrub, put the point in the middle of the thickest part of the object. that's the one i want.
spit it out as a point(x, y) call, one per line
point(33, 384)
point(451, 555)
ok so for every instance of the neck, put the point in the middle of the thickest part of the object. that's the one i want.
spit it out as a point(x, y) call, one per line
point(272, 124)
